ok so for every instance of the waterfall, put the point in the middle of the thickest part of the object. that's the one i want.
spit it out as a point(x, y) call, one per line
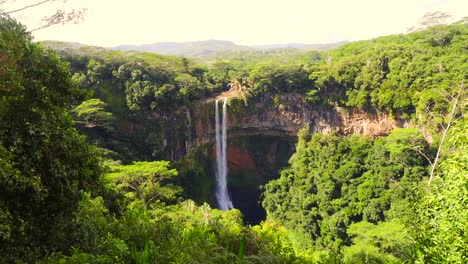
point(222, 194)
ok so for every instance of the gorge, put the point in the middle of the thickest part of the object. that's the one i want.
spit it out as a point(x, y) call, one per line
point(262, 116)
point(324, 157)
point(260, 139)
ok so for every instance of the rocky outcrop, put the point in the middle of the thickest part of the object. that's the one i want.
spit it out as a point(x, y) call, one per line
point(282, 116)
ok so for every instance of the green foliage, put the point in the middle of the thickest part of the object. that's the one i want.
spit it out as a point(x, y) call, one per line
point(135, 86)
point(403, 76)
point(45, 162)
point(179, 233)
point(385, 242)
point(149, 82)
point(334, 182)
point(195, 177)
point(142, 182)
point(395, 74)
point(277, 78)
point(343, 199)
point(274, 238)
point(91, 113)
point(220, 74)
point(248, 59)
point(441, 228)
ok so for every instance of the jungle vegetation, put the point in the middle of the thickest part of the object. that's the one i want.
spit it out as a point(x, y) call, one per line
point(76, 188)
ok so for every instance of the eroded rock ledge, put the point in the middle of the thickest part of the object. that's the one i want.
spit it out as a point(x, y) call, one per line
point(195, 126)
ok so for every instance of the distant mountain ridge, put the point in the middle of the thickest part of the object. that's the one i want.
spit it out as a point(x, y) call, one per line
point(302, 46)
point(210, 47)
point(188, 49)
point(192, 49)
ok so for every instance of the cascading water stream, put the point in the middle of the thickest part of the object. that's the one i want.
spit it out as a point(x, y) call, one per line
point(222, 194)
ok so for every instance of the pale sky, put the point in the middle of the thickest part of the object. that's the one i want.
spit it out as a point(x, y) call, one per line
point(246, 22)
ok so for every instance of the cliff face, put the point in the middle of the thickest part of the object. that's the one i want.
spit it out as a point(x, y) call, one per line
point(261, 138)
point(281, 117)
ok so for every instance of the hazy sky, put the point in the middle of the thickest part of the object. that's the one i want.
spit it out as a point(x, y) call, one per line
point(114, 22)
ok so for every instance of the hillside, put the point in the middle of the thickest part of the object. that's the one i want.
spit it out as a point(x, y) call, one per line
point(187, 49)
point(199, 49)
point(301, 46)
point(394, 76)
point(356, 154)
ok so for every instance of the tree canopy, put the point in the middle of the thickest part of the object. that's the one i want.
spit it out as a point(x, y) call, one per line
point(106, 198)
point(46, 163)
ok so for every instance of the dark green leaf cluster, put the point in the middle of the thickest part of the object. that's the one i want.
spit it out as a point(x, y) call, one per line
point(277, 79)
point(334, 182)
point(342, 198)
point(44, 162)
point(182, 233)
point(57, 205)
point(91, 113)
point(441, 229)
point(148, 82)
point(398, 74)
point(404, 76)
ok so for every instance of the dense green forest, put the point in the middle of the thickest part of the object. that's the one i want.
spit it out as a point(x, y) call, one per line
point(86, 178)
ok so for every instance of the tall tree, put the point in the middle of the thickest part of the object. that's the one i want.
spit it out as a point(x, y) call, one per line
point(44, 162)
point(91, 114)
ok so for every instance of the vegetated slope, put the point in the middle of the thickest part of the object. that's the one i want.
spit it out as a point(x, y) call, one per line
point(61, 201)
point(301, 46)
point(401, 75)
point(337, 189)
point(396, 74)
point(45, 163)
point(208, 48)
point(187, 49)
point(342, 199)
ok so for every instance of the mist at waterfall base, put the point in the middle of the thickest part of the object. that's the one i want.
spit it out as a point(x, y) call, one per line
point(243, 164)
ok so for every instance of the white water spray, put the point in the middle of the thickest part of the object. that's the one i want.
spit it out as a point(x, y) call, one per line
point(222, 194)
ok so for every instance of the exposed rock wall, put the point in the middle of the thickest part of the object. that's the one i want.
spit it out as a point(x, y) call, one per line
point(282, 117)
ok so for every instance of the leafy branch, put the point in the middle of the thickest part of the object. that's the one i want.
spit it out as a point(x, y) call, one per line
point(446, 128)
point(59, 17)
point(24, 7)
